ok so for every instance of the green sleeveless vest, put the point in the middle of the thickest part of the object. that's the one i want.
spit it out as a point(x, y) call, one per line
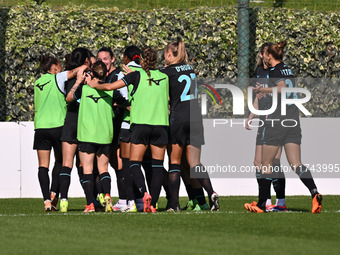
point(49, 103)
point(149, 104)
point(95, 116)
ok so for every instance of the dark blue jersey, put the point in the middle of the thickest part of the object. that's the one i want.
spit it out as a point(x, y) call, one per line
point(184, 105)
point(281, 72)
point(262, 77)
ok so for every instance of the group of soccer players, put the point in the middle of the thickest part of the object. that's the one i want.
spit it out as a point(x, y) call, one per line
point(272, 73)
point(129, 117)
point(99, 114)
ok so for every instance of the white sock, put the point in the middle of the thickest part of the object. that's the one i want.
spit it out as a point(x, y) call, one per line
point(122, 201)
point(131, 202)
point(281, 202)
point(269, 201)
point(63, 199)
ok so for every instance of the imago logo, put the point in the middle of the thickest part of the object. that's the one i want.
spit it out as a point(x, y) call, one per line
point(238, 100)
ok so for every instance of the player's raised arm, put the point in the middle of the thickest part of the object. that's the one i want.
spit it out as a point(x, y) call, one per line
point(93, 83)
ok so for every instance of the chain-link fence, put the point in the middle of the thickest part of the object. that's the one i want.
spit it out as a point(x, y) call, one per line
point(223, 42)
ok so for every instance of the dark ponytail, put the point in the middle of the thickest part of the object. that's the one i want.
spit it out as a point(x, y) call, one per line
point(276, 50)
point(149, 58)
point(46, 62)
point(99, 70)
point(77, 58)
point(133, 53)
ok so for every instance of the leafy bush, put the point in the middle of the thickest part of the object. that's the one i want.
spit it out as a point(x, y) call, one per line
point(210, 35)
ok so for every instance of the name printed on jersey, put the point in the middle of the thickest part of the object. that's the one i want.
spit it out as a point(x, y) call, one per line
point(183, 68)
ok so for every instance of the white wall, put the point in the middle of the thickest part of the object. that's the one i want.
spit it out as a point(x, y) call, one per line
point(321, 140)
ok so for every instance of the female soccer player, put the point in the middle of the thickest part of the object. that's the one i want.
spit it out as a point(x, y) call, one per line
point(276, 135)
point(78, 57)
point(95, 133)
point(264, 102)
point(131, 58)
point(50, 112)
point(149, 123)
point(186, 125)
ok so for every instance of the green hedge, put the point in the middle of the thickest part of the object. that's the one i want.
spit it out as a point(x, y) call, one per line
point(210, 35)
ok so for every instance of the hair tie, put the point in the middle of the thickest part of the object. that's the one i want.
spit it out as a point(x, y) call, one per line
point(135, 56)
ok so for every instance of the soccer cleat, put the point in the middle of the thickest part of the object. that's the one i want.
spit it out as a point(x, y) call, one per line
point(47, 206)
point(253, 208)
point(54, 200)
point(108, 203)
point(317, 201)
point(177, 209)
point(63, 205)
point(216, 204)
point(89, 208)
point(119, 207)
point(101, 199)
point(190, 205)
point(153, 209)
point(147, 202)
point(276, 208)
point(269, 208)
point(204, 207)
point(130, 208)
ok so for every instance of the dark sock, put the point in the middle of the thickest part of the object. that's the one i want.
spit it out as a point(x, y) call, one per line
point(138, 177)
point(190, 191)
point(105, 181)
point(44, 181)
point(97, 188)
point(174, 175)
point(157, 180)
point(55, 178)
point(264, 190)
point(205, 182)
point(80, 174)
point(307, 179)
point(147, 166)
point(88, 187)
point(65, 180)
point(121, 184)
point(279, 182)
point(199, 196)
point(167, 193)
point(128, 181)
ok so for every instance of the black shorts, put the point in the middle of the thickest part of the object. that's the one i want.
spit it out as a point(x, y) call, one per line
point(69, 133)
point(47, 138)
point(187, 133)
point(279, 135)
point(96, 148)
point(260, 134)
point(148, 134)
point(125, 135)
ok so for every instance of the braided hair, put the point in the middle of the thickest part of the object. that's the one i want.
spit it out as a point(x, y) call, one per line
point(149, 56)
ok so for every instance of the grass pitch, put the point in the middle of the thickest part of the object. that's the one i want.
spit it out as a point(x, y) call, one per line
point(25, 229)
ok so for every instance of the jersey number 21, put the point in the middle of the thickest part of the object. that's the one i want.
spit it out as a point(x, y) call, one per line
point(185, 96)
